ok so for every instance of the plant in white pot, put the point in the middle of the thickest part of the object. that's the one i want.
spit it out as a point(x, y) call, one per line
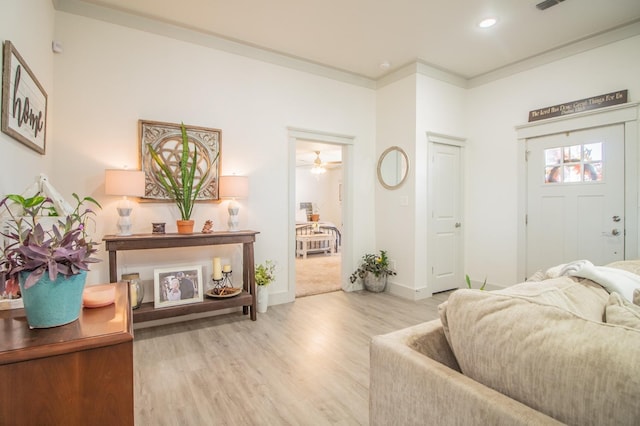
point(49, 265)
point(179, 184)
point(374, 271)
point(265, 274)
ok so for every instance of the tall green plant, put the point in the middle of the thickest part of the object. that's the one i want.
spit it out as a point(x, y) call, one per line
point(181, 190)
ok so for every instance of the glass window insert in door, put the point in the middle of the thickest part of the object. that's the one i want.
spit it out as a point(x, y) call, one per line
point(574, 164)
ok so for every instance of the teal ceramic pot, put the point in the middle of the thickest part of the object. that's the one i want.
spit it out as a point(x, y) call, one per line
point(52, 303)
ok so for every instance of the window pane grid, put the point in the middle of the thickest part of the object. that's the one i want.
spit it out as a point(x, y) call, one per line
point(574, 164)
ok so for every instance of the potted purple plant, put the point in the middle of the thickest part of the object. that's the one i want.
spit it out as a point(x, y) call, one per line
point(48, 262)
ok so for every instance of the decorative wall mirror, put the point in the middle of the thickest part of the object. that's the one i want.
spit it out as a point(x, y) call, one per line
point(393, 167)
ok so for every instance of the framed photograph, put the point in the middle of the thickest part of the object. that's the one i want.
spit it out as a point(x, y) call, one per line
point(24, 102)
point(166, 139)
point(179, 285)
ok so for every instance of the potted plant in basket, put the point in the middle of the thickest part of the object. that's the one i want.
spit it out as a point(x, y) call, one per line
point(179, 184)
point(265, 274)
point(374, 271)
point(50, 265)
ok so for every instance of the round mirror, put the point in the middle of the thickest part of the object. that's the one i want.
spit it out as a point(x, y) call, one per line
point(393, 167)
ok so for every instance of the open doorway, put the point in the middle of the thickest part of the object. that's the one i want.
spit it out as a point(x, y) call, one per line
point(318, 218)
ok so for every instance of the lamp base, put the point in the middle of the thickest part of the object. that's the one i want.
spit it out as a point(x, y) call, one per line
point(124, 222)
point(233, 222)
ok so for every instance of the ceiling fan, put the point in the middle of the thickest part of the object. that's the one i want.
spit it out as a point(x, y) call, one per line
point(319, 167)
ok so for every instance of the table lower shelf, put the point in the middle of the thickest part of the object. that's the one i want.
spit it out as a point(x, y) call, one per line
point(146, 312)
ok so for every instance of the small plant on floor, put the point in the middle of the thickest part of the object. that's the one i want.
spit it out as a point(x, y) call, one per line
point(376, 264)
point(265, 273)
point(469, 282)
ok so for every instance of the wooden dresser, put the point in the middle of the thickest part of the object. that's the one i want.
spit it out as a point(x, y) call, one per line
point(77, 374)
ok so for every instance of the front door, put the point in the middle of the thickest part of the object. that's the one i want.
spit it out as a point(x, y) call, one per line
point(575, 197)
point(446, 217)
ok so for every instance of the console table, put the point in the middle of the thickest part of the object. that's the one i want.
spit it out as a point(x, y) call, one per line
point(147, 312)
point(75, 374)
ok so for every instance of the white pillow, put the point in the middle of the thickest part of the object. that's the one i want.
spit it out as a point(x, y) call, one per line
point(301, 215)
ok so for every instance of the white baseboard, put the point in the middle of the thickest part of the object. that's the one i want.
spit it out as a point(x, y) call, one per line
point(407, 292)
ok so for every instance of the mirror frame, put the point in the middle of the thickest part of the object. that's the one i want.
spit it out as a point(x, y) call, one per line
point(381, 159)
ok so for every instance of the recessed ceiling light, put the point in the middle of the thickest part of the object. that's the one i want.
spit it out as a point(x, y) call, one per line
point(488, 22)
point(385, 65)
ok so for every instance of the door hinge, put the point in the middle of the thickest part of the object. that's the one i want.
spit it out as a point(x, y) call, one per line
point(526, 155)
point(526, 219)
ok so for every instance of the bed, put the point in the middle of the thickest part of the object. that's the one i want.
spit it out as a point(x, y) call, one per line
point(311, 228)
point(304, 226)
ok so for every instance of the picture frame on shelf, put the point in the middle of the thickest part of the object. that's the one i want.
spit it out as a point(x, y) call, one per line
point(166, 140)
point(24, 102)
point(177, 285)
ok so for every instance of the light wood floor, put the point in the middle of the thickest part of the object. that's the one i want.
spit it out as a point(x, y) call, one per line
point(303, 363)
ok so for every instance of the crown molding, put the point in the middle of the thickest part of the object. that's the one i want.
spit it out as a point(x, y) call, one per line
point(622, 32)
point(422, 68)
point(190, 35)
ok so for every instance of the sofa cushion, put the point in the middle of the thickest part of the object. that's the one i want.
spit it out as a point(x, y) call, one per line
point(627, 265)
point(621, 312)
point(580, 296)
point(548, 351)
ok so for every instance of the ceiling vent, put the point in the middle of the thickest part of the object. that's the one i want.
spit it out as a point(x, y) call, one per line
point(546, 4)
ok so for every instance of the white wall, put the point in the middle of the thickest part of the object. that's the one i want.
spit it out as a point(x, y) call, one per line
point(322, 190)
point(406, 110)
point(396, 126)
point(110, 76)
point(494, 110)
point(441, 108)
point(29, 26)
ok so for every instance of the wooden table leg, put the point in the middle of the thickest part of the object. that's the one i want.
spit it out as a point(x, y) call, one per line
point(113, 267)
point(249, 278)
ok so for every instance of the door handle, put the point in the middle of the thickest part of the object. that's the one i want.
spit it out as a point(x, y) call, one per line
point(458, 225)
point(616, 218)
point(615, 231)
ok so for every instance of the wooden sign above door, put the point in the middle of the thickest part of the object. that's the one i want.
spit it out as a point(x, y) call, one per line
point(600, 101)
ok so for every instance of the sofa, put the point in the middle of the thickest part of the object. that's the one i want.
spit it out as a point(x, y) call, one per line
point(559, 349)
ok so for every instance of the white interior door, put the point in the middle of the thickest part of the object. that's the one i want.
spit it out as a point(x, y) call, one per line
point(446, 252)
point(575, 197)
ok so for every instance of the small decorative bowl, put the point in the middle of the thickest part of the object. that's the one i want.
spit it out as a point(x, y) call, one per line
point(96, 296)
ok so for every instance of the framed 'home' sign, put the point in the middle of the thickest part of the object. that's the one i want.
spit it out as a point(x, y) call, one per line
point(24, 102)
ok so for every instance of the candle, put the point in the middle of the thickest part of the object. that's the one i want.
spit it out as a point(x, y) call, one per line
point(133, 290)
point(226, 268)
point(217, 269)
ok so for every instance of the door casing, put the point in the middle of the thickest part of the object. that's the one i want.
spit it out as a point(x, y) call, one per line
point(296, 134)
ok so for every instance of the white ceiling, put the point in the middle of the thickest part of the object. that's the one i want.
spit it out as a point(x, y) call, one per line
point(358, 35)
point(330, 155)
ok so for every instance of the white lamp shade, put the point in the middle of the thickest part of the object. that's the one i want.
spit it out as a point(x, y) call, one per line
point(234, 186)
point(124, 182)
